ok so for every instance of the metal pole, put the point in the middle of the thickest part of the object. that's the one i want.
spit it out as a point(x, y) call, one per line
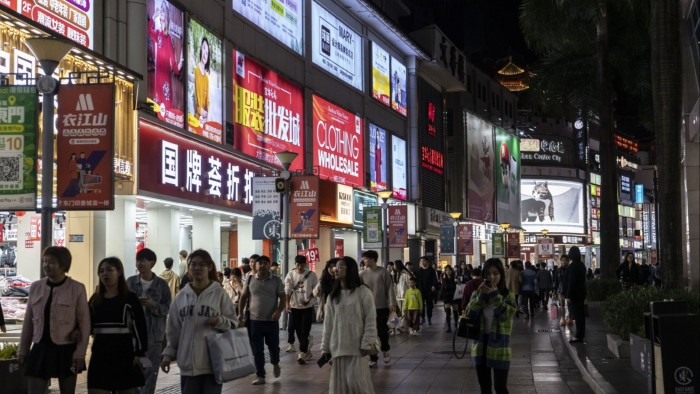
point(455, 224)
point(47, 109)
point(285, 241)
point(385, 238)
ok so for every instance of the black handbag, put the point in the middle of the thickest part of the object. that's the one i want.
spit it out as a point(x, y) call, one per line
point(469, 328)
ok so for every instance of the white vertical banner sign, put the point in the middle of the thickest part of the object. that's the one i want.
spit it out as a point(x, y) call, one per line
point(545, 248)
point(267, 216)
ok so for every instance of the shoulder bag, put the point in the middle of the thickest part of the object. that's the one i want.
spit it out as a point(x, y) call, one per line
point(230, 355)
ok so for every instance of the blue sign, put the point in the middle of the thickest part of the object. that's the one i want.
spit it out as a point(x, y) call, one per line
point(639, 193)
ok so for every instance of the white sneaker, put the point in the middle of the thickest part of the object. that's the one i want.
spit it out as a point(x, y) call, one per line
point(301, 358)
point(308, 356)
point(387, 358)
point(410, 331)
point(291, 348)
point(372, 363)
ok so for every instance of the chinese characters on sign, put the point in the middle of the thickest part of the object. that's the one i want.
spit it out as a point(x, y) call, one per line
point(72, 19)
point(303, 209)
point(398, 226)
point(266, 209)
point(545, 248)
point(465, 239)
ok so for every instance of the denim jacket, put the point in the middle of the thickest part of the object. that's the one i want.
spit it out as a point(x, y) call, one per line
point(155, 314)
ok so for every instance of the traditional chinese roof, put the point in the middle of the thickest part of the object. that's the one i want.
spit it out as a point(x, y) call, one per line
point(512, 77)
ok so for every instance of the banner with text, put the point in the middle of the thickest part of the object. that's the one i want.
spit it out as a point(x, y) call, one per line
point(513, 245)
point(498, 245)
point(372, 231)
point(398, 226)
point(303, 211)
point(312, 257)
point(545, 248)
point(465, 239)
point(267, 218)
point(18, 147)
point(72, 19)
point(283, 20)
point(85, 147)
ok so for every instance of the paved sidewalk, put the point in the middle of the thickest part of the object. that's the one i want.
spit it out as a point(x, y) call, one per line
point(604, 372)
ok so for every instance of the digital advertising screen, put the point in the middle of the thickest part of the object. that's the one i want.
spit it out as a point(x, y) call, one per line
point(555, 205)
point(268, 113)
point(507, 176)
point(380, 74)
point(480, 175)
point(398, 168)
point(399, 97)
point(282, 19)
point(338, 144)
point(204, 82)
point(377, 158)
point(165, 61)
point(336, 47)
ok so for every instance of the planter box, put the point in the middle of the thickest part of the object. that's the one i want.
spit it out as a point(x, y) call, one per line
point(618, 347)
point(640, 355)
point(12, 378)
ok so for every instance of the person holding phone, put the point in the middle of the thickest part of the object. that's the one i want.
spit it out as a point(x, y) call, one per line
point(494, 305)
point(298, 286)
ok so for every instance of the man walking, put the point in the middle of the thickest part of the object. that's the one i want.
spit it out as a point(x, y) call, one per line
point(427, 281)
point(171, 277)
point(298, 286)
point(267, 301)
point(379, 281)
point(576, 293)
point(154, 294)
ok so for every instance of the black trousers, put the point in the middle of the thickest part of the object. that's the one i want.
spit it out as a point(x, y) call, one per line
point(577, 311)
point(382, 331)
point(427, 305)
point(483, 375)
point(290, 328)
point(301, 320)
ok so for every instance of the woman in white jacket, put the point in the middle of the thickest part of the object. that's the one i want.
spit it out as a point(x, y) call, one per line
point(349, 331)
point(401, 285)
point(200, 309)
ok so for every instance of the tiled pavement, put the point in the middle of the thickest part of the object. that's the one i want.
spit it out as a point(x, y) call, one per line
point(543, 362)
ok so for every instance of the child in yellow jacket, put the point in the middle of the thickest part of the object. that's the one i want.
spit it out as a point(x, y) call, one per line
point(413, 306)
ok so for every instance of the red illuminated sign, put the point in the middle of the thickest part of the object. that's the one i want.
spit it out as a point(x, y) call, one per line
point(431, 119)
point(432, 159)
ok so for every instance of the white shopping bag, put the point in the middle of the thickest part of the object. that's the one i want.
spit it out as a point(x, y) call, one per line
point(230, 355)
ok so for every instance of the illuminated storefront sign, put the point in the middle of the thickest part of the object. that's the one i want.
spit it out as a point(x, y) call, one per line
point(431, 145)
point(398, 168)
point(377, 158)
point(344, 204)
point(204, 81)
point(173, 165)
point(380, 74)
point(283, 20)
point(399, 98)
point(547, 150)
point(268, 112)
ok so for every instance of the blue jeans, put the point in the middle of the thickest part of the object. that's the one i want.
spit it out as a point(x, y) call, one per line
point(151, 374)
point(200, 384)
point(264, 333)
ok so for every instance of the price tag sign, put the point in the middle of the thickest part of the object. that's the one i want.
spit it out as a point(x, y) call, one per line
point(312, 257)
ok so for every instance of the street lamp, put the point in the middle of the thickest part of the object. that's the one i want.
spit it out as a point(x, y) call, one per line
point(544, 232)
point(455, 224)
point(385, 195)
point(49, 52)
point(286, 158)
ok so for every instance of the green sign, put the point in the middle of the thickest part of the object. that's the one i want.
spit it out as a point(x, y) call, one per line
point(18, 148)
point(507, 177)
point(362, 200)
point(372, 231)
point(498, 248)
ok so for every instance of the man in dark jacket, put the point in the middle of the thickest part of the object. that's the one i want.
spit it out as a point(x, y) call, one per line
point(427, 281)
point(576, 293)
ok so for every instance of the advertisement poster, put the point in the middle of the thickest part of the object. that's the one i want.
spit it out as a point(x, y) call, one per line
point(267, 218)
point(398, 87)
point(545, 248)
point(372, 230)
point(85, 147)
point(343, 212)
point(336, 47)
point(18, 147)
point(339, 250)
point(72, 19)
point(377, 158)
point(513, 245)
point(361, 200)
point(480, 169)
point(447, 239)
point(497, 245)
point(303, 210)
point(204, 81)
point(268, 112)
point(507, 176)
point(338, 144)
point(555, 205)
point(283, 20)
point(398, 168)
point(165, 60)
point(312, 257)
point(465, 239)
point(398, 226)
point(380, 74)
point(182, 168)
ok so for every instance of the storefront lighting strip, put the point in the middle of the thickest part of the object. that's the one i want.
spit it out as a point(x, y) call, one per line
point(196, 208)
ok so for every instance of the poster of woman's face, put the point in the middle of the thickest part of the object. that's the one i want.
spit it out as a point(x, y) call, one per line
point(204, 81)
point(165, 61)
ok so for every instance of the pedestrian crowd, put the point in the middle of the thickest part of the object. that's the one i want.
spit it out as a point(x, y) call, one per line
point(142, 324)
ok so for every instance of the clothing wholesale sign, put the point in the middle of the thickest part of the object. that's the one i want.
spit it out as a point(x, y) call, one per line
point(182, 168)
point(398, 226)
point(303, 211)
point(18, 147)
point(72, 19)
point(335, 47)
point(268, 112)
point(267, 218)
point(85, 147)
point(465, 239)
point(165, 60)
point(283, 20)
point(338, 144)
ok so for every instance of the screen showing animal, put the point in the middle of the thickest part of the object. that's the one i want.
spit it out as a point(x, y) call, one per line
point(540, 206)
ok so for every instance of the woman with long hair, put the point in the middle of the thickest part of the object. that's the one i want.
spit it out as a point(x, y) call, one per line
point(494, 305)
point(448, 289)
point(201, 81)
point(628, 272)
point(120, 335)
point(56, 326)
point(350, 331)
point(403, 275)
point(187, 330)
point(325, 286)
